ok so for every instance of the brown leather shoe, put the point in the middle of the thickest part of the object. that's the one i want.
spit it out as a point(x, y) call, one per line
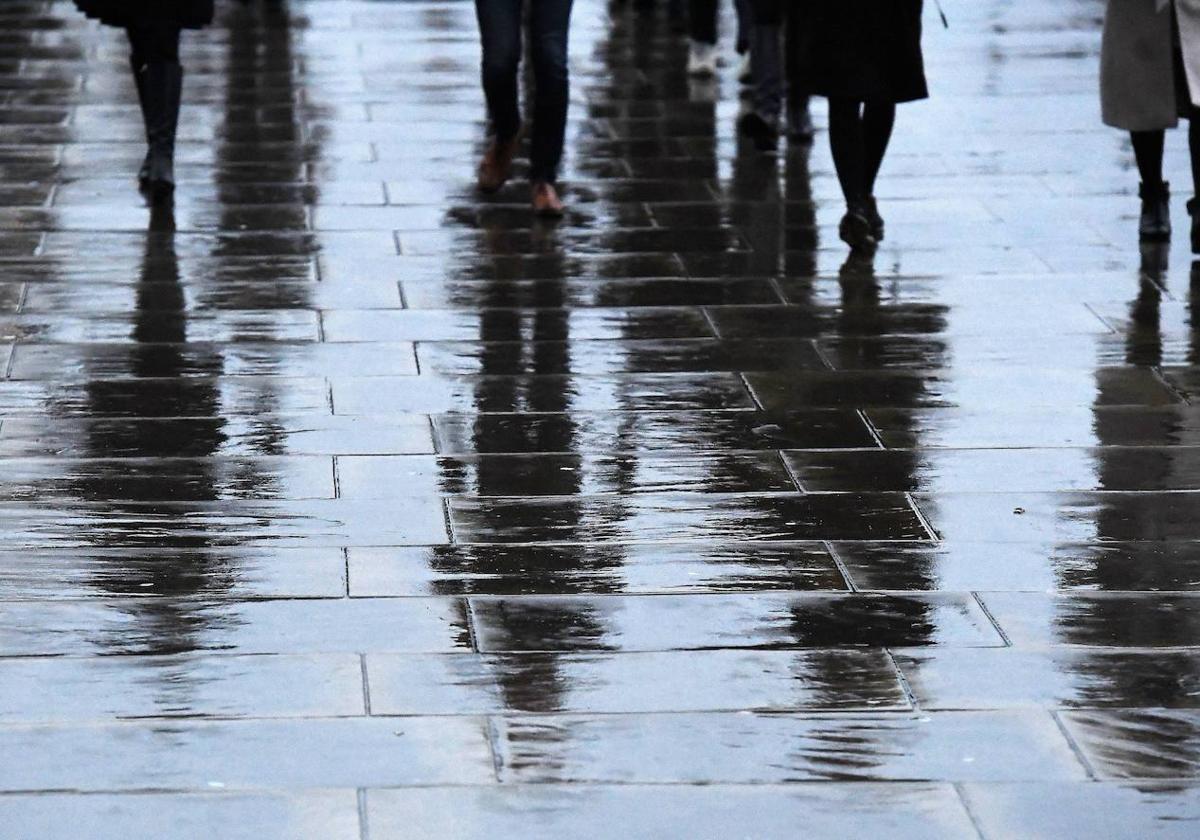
point(496, 166)
point(546, 202)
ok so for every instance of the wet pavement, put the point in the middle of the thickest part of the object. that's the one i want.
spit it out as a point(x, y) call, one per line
point(342, 503)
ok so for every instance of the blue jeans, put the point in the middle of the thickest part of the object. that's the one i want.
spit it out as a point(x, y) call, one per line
point(500, 24)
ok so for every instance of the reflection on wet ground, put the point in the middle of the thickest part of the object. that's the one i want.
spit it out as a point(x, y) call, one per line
point(336, 499)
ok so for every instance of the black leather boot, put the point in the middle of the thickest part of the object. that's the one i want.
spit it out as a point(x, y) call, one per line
point(1193, 208)
point(1155, 222)
point(143, 173)
point(162, 88)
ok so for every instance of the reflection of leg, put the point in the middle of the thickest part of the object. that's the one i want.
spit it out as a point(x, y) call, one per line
point(1155, 221)
point(155, 57)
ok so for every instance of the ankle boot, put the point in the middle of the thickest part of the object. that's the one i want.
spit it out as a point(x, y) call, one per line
point(1193, 208)
point(143, 175)
point(1155, 222)
point(855, 228)
point(163, 87)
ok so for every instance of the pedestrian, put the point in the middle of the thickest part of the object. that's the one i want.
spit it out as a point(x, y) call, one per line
point(153, 28)
point(500, 24)
point(765, 25)
point(865, 57)
point(1149, 78)
point(703, 23)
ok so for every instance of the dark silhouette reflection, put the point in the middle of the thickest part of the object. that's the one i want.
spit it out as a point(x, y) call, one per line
point(145, 505)
point(535, 345)
point(1133, 551)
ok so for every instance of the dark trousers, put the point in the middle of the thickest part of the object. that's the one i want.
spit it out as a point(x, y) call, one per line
point(500, 24)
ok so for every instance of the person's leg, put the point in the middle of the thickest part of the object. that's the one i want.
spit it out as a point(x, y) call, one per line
point(848, 146)
point(500, 40)
point(878, 120)
point(549, 26)
point(800, 125)
point(1148, 152)
point(1193, 204)
point(766, 61)
point(154, 55)
point(1155, 220)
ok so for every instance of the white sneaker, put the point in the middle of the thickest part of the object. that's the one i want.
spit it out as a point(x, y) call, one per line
point(745, 74)
point(702, 60)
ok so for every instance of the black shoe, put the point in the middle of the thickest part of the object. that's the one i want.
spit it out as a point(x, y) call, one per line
point(1193, 208)
point(855, 230)
point(763, 131)
point(872, 212)
point(162, 87)
point(1155, 222)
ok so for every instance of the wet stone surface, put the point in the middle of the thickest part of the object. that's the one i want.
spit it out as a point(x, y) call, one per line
point(339, 501)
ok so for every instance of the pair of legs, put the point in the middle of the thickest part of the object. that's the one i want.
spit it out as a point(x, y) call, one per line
point(765, 22)
point(859, 133)
point(154, 59)
point(500, 25)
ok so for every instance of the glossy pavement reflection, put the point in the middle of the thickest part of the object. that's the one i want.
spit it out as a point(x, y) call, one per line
point(340, 503)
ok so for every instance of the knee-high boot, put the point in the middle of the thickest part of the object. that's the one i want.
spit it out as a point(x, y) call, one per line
point(162, 87)
point(135, 65)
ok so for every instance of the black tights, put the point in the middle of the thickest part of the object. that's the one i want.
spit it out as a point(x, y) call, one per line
point(154, 43)
point(859, 134)
point(1148, 151)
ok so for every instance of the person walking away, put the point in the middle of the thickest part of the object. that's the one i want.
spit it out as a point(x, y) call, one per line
point(865, 57)
point(500, 24)
point(153, 28)
point(760, 122)
point(1149, 78)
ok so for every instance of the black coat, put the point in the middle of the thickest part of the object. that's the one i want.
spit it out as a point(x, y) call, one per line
point(868, 50)
point(188, 14)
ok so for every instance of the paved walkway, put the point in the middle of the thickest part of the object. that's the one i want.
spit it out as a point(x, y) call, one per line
point(360, 507)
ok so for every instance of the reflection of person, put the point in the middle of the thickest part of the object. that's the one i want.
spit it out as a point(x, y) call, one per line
point(1149, 77)
point(153, 27)
point(500, 30)
point(865, 56)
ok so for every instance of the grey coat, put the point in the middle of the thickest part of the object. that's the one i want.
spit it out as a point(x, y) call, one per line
point(1138, 79)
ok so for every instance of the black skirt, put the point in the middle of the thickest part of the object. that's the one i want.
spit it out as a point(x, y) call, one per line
point(188, 14)
point(868, 50)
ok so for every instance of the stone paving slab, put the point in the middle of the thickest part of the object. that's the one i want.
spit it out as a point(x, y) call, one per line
point(343, 502)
